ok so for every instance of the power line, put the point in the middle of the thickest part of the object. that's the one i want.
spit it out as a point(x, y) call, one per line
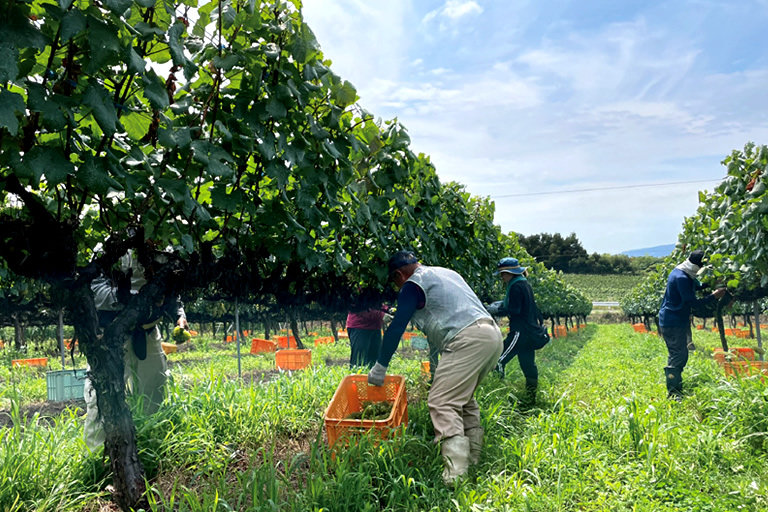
point(602, 188)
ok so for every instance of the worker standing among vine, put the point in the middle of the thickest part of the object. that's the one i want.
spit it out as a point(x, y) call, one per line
point(364, 330)
point(675, 318)
point(444, 307)
point(527, 332)
point(145, 366)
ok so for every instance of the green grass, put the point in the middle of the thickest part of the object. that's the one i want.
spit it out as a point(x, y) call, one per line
point(604, 438)
point(603, 287)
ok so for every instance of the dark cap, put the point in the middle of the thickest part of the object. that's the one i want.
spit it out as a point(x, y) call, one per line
point(697, 258)
point(401, 259)
point(510, 265)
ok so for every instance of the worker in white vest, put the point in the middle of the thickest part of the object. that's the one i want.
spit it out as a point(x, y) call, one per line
point(441, 304)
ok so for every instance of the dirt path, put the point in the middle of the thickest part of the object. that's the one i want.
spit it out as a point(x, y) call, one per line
point(48, 411)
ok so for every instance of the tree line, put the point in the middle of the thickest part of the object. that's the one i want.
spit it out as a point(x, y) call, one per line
point(566, 254)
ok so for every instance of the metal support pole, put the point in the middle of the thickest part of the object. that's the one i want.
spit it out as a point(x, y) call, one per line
point(60, 335)
point(757, 329)
point(237, 328)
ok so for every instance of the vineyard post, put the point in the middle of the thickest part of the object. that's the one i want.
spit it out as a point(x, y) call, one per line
point(60, 337)
point(756, 308)
point(237, 331)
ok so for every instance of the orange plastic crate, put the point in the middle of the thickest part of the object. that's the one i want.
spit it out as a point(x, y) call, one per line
point(293, 359)
point(193, 333)
point(574, 329)
point(324, 340)
point(737, 353)
point(560, 331)
point(168, 348)
point(348, 398)
point(286, 341)
point(639, 328)
point(408, 335)
point(38, 361)
point(736, 368)
point(425, 369)
point(343, 334)
point(745, 352)
point(259, 346)
point(700, 327)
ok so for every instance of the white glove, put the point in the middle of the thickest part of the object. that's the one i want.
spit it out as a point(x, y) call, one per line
point(494, 307)
point(377, 374)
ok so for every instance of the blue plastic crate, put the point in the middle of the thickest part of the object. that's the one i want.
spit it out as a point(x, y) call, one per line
point(65, 385)
point(419, 343)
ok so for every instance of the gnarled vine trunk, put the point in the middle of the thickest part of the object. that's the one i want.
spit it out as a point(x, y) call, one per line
point(19, 333)
point(105, 357)
point(295, 329)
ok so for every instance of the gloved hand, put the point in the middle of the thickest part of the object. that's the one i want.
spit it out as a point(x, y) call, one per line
point(377, 374)
point(494, 307)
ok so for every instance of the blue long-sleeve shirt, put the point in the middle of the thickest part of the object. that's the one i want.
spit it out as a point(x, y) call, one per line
point(679, 298)
point(410, 299)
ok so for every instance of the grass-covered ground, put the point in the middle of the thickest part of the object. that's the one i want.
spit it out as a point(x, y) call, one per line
point(604, 438)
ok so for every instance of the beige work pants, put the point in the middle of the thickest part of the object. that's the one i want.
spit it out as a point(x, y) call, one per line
point(467, 359)
point(147, 378)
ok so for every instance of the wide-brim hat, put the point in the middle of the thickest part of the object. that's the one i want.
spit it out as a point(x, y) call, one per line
point(509, 265)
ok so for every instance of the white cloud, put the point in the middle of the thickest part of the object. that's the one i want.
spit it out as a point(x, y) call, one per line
point(365, 40)
point(634, 101)
point(451, 12)
point(455, 9)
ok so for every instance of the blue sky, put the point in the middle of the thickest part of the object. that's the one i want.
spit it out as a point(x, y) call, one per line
point(519, 97)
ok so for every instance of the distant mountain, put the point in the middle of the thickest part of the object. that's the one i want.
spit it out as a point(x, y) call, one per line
point(660, 251)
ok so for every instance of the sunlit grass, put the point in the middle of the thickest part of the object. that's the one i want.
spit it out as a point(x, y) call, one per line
point(603, 437)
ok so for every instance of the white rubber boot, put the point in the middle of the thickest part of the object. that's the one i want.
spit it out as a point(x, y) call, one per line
point(455, 452)
point(475, 436)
